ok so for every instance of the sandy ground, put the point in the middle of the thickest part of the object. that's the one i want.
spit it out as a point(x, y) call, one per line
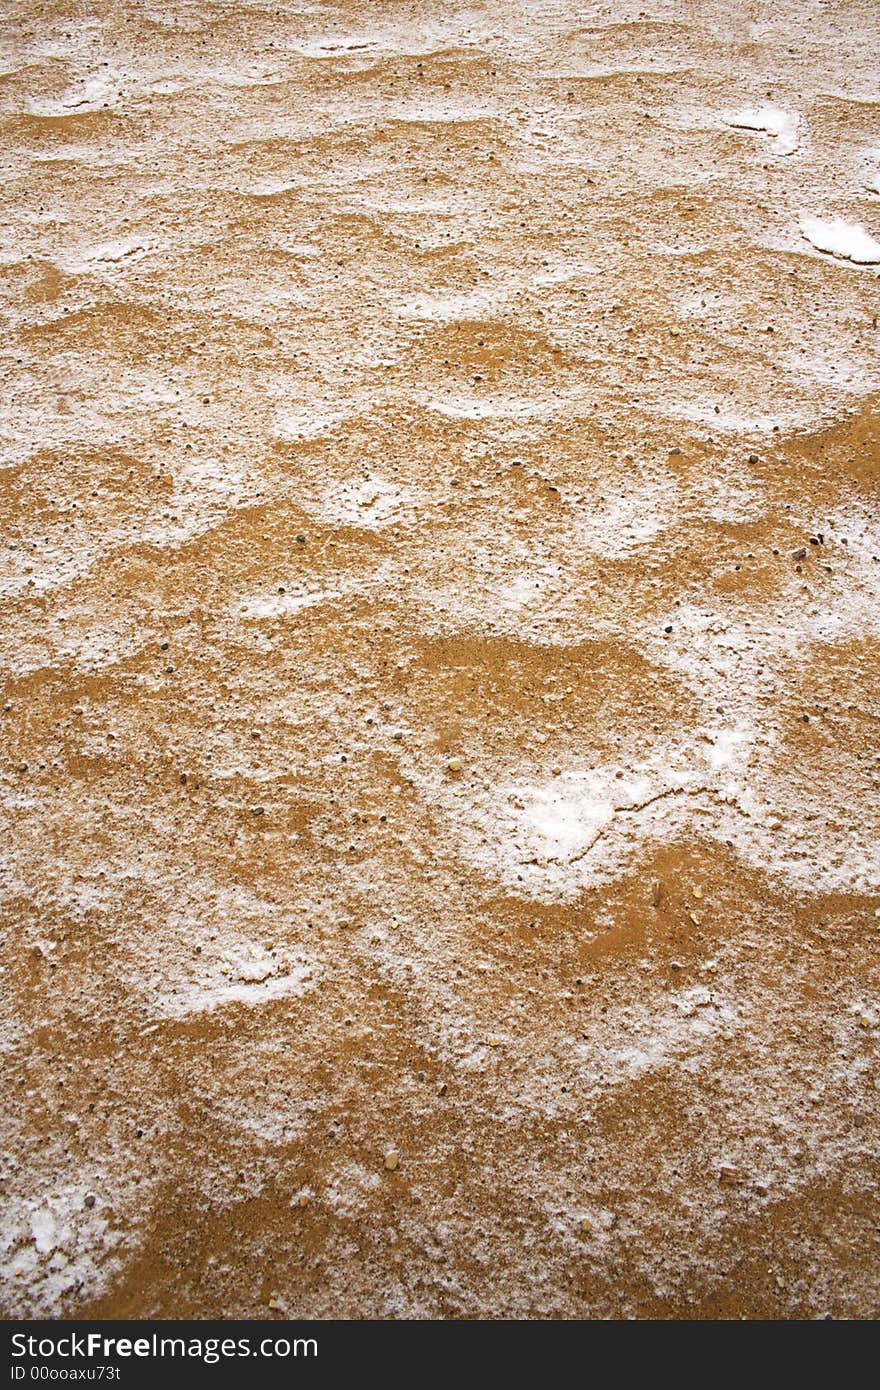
point(440, 583)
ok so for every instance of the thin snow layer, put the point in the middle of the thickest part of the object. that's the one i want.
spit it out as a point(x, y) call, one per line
point(729, 779)
point(448, 308)
point(247, 977)
point(371, 503)
point(501, 407)
point(308, 421)
point(556, 836)
point(783, 126)
point(53, 1246)
point(843, 239)
point(104, 257)
point(287, 604)
point(624, 521)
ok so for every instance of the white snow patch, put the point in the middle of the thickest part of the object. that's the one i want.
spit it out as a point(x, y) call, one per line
point(104, 256)
point(491, 407)
point(45, 1231)
point(729, 746)
point(370, 502)
point(308, 422)
point(447, 308)
point(618, 525)
point(285, 605)
point(783, 126)
point(561, 823)
point(52, 1246)
point(271, 188)
point(253, 987)
point(843, 239)
point(90, 94)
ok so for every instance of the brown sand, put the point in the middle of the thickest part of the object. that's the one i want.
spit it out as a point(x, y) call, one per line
point(441, 612)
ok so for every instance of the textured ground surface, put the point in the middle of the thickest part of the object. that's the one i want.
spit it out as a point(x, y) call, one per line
point(439, 633)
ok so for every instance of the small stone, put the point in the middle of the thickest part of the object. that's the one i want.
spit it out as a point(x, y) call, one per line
point(90, 1201)
point(800, 554)
point(493, 1040)
point(695, 918)
point(556, 771)
point(454, 766)
point(273, 1301)
point(392, 1159)
point(728, 1175)
point(442, 1088)
point(300, 540)
point(303, 1199)
point(698, 893)
point(585, 1226)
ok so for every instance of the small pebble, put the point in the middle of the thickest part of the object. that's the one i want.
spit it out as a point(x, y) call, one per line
point(392, 1159)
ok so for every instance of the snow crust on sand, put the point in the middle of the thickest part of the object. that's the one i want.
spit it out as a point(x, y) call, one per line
point(842, 239)
point(783, 126)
